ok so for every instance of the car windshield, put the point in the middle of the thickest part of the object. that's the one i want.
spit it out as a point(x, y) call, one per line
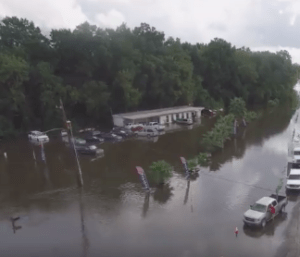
point(296, 152)
point(258, 207)
point(296, 177)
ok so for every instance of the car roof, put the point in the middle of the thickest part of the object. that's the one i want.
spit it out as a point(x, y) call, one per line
point(265, 200)
point(295, 172)
point(36, 132)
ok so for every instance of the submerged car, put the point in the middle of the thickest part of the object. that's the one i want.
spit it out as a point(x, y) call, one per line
point(185, 121)
point(155, 125)
point(89, 150)
point(122, 132)
point(38, 136)
point(93, 139)
point(111, 137)
point(148, 132)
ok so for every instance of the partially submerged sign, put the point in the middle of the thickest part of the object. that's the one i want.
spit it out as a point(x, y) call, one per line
point(143, 177)
point(184, 163)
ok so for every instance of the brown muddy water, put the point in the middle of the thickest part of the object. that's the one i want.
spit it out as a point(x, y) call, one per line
point(112, 215)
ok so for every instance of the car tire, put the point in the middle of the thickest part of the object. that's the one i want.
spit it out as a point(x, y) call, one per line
point(282, 209)
point(263, 223)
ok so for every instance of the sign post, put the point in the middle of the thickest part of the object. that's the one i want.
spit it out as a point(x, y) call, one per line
point(184, 163)
point(143, 177)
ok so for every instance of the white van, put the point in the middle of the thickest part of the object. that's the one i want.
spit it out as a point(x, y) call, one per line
point(149, 132)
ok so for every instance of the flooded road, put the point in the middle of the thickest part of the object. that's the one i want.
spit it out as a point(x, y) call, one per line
point(112, 215)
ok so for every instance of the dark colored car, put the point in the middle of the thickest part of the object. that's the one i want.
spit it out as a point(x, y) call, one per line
point(207, 113)
point(124, 133)
point(89, 150)
point(93, 139)
point(111, 137)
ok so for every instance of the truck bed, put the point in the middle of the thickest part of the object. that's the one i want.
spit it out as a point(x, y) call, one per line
point(279, 198)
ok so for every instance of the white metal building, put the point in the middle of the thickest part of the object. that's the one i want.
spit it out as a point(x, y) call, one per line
point(163, 116)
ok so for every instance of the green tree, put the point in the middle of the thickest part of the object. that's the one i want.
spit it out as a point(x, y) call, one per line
point(237, 107)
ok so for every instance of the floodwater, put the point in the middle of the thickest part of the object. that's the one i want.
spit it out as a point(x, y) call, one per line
point(112, 215)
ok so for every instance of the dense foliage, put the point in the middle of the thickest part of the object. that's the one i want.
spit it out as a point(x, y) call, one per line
point(160, 171)
point(99, 71)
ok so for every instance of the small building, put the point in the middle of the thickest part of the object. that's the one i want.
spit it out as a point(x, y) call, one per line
point(163, 116)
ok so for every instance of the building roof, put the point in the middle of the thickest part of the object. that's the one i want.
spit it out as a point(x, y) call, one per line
point(265, 200)
point(158, 112)
point(295, 172)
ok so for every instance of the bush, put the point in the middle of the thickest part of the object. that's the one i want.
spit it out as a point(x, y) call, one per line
point(192, 163)
point(273, 103)
point(220, 133)
point(237, 107)
point(202, 159)
point(160, 171)
point(250, 116)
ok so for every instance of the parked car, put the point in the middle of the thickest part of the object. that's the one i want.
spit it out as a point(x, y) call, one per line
point(90, 150)
point(208, 113)
point(293, 180)
point(64, 133)
point(129, 132)
point(185, 121)
point(94, 139)
point(134, 127)
point(111, 137)
point(259, 214)
point(38, 136)
point(137, 128)
point(122, 132)
point(296, 155)
point(77, 140)
point(155, 125)
point(150, 132)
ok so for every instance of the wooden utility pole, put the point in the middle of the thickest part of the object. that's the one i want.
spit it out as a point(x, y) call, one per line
point(68, 126)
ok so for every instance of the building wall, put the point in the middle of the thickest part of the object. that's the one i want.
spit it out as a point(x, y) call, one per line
point(118, 121)
point(162, 119)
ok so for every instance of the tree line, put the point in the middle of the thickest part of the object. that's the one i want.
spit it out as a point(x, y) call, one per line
point(97, 72)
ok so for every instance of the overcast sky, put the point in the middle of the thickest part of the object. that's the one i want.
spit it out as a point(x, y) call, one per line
point(258, 24)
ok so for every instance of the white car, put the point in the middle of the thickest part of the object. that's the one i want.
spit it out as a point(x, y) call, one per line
point(293, 180)
point(38, 136)
point(130, 126)
point(147, 132)
point(296, 155)
point(259, 214)
point(155, 125)
point(64, 133)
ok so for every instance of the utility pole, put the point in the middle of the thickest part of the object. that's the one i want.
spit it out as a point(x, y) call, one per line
point(68, 126)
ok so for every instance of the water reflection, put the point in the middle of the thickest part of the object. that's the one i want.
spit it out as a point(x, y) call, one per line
point(187, 192)
point(14, 226)
point(85, 239)
point(147, 139)
point(163, 193)
point(146, 204)
point(256, 133)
